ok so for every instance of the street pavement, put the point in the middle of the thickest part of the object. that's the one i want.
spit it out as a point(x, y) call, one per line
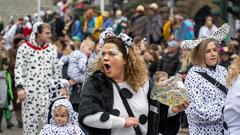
point(18, 131)
point(13, 131)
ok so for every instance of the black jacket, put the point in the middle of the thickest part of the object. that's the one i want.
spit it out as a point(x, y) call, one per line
point(97, 96)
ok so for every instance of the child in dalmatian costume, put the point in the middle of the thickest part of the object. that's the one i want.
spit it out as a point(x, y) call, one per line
point(59, 88)
point(62, 119)
point(36, 65)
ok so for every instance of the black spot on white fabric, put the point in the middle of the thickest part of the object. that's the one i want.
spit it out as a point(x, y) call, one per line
point(126, 93)
point(143, 119)
point(104, 117)
point(115, 112)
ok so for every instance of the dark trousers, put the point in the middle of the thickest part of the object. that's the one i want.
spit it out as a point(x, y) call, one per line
point(75, 96)
point(173, 125)
point(184, 122)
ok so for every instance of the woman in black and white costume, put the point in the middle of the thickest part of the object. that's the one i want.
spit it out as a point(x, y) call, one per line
point(36, 65)
point(101, 109)
point(206, 99)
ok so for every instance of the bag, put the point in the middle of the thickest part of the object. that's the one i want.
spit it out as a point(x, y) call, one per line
point(214, 82)
point(171, 92)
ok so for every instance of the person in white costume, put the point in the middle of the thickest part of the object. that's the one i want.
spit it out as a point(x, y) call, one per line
point(36, 65)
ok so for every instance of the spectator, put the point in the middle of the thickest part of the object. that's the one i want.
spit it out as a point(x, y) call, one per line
point(5, 80)
point(170, 59)
point(17, 41)
point(173, 123)
point(120, 23)
point(154, 25)
point(27, 29)
point(77, 67)
point(184, 30)
point(208, 29)
point(139, 22)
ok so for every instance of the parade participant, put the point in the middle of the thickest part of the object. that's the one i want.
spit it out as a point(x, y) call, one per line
point(59, 88)
point(231, 111)
point(63, 120)
point(36, 65)
point(119, 78)
point(205, 84)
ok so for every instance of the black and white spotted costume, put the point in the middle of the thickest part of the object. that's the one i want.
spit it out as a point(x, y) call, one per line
point(101, 111)
point(35, 67)
point(71, 128)
point(206, 101)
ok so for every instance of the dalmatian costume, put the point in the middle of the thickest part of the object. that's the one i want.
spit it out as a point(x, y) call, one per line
point(35, 67)
point(55, 90)
point(71, 128)
point(206, 100)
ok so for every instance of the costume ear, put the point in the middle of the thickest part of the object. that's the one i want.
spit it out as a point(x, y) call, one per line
point(107, 33)
point(126, 39)
point(191, 43)
point(221, 33)
point(218, 35)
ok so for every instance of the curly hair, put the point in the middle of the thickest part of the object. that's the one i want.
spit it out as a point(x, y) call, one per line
point(135, 69)
point(233, 71)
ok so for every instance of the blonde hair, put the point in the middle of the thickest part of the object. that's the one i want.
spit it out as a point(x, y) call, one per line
point(77, 44)
point(233, 71)
point(87, 42)
point(198, 53)
point(185, 59)
point(135, 69)
point(160, 74)
point(61, 108)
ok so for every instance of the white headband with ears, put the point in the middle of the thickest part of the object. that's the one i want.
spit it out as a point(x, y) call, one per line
point(127, 41)
point(218, 35)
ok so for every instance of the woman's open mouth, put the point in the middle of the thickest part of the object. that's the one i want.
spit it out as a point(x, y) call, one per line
point(107, 68)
